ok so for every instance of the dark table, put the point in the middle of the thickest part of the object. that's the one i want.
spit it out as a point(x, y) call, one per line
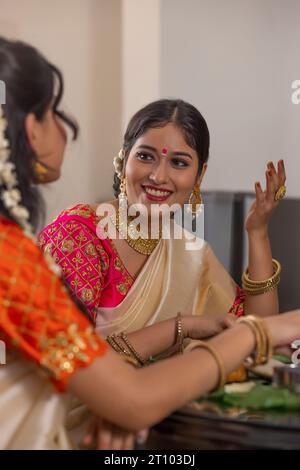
point(213, 427)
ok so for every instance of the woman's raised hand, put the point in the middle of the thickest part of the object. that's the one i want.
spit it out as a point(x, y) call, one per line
point(264, 205)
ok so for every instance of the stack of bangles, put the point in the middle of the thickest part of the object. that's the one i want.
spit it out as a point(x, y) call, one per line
point(262, 352)
point(251, 287)
point(121, 344)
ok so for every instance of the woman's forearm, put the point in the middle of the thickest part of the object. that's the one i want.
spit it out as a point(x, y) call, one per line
point(147, 395)
point(156, 338)
point(261, 268)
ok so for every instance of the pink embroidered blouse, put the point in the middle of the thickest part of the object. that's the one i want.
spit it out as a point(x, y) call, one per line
point(92, 267)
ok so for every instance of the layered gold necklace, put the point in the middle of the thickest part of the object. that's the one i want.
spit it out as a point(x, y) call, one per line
point(144, 246)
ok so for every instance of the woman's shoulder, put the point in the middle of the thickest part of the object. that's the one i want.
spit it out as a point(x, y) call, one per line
point(78, 217)
point(20, 256)
point(81, 211)
point(73, 235)
point(13, 241)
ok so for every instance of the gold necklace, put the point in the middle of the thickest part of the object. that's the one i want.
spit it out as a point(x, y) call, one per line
point(144, 246)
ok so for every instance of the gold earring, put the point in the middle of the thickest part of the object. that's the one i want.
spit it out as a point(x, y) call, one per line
point(40, 171)
point(122, 195)
point(195, 201)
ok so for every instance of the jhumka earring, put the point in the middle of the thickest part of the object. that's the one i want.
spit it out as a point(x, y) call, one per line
point(119, 167)
point(40, 171)
point(122, 196)
point(195, 201)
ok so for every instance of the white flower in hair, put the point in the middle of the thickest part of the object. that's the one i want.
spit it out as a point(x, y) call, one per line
point(7, 175)
point(119, 163)
point(20, 212)
point(11, 198)
point(9, 193)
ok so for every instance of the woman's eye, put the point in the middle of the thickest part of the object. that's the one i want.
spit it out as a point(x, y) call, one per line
point(144, 157)
point(179, 163)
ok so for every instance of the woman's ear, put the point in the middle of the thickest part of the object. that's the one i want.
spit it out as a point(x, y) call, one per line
point(34, 133)
point(201, 176)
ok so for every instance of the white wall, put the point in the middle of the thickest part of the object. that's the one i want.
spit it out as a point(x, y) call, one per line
point(141, 46)
point(235, 60)
point(83, 38)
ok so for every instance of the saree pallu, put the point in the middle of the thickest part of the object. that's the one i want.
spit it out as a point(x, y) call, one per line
point(33, 415)
point(38, 320)
point(174, 279)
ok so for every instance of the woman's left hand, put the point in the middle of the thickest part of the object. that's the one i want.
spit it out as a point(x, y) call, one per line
point(104, 435)
point(205, 326)
point(261, 210)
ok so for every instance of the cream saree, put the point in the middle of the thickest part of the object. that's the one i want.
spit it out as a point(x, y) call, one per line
point(173, 280)
point(32, 415)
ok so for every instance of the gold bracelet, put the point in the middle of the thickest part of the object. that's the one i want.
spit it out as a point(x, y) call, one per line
point(115, 344)
point(258, 354)
point(252, 287)
point(263, 342)
point(179, 337)
point(115, 341)
point(221, 368)
point(130, 360)
point(133, 351)
point(267, 340)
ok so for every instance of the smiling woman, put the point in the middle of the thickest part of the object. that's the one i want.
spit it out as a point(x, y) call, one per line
point(127, 284)
point(154, 176)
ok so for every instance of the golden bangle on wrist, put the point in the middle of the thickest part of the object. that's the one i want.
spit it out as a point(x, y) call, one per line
point(121, 344)
point(263, 341)
point(252, 287)
point(179, 336)
point(221, 369)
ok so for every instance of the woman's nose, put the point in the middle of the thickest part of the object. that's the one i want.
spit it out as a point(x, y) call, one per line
point(159, 174)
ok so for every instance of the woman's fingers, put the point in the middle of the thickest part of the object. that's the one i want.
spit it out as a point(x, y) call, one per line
point(272, 183)
point(91, 431)
point(142, 436)
point(128, 441)
point(118, 438)
point(111, 437)
point(104, 435)
point(259, 193)
point(281, 173)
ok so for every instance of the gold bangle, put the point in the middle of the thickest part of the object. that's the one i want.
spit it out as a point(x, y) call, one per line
point(263, 342)
point(115, 344)
point(179, 338)
point(252, 287)
point(130, 360)
point(221, 369)
point(133, 351)
point(258, 354)
point(267, 340)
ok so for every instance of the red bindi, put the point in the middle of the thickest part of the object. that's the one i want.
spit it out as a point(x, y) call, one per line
point(164, 151)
